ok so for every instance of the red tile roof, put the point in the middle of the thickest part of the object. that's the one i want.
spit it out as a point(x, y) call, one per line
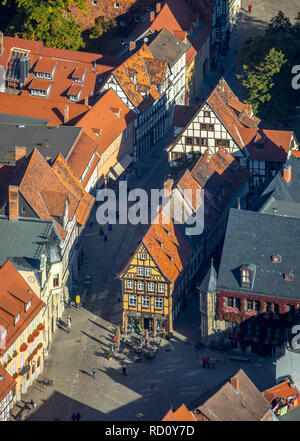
point(167, 247)
point(102, 118)
point(45, 65)
point(14, 294)
point(282, 390)
point(39, 84)
point(275, 143)
point(147, 74)
point(6, 384)
point(181, 414)
point(82, 152)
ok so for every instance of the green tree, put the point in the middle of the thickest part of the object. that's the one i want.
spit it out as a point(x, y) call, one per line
point(279, 24)
point(260, 79)
point(48, 21)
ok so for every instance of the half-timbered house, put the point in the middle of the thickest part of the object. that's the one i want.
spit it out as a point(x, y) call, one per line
point(155, 277)
point(222, 119)
point(142, 83)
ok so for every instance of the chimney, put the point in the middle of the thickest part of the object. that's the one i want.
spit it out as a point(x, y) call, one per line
point(131, 45)
point(13, 202)
point(235, 383)
point(206, 156)
point(287, 173)
point(168, 185)
point(1, 44)
point(158, 8)
point(66, 113)
point(20, 152)
point(152, 16)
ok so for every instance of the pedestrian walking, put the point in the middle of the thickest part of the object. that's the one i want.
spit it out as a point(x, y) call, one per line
point(69, 328)
point(124, 370)
point(208, 363)
point(73, 416)
point(78, 416)
point(69, 321)
point(94, 374)
point(250, 8)
point(203, 362)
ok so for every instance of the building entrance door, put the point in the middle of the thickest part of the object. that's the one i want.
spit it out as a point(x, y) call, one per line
point(146, 323)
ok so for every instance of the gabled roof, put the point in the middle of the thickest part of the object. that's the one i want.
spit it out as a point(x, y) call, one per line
point(85, 200)
point(167, 247)
point(166, 46)
point(81, 154)
point(183, 115)
point(231, 118)
point(14, 294)
point(103, 118)
point(6, 384)
point(224, 403)
point(181, 414)
point(146, 72)
point(268, 145)
point(253, 238)
point(279, 189)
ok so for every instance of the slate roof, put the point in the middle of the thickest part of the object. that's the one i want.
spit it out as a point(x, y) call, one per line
point(281, 208)
point(37, 237)
point(224, 403)
point(279, 189)
point(5, 118)
point(209, 283)
point(253, 238)
point(49, 140)
point(166, 46)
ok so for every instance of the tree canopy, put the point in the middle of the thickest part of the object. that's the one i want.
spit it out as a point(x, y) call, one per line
point(267, 64)
point(47, 21)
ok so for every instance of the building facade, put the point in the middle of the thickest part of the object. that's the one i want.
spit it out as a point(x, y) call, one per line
point(154, 280)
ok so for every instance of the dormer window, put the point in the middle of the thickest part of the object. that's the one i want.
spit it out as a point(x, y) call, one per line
point(79, 75)
point(16, 319)
point(3, 334)
point(288, 277)
point(27, 306)
point(247, 276)
point(276, 259)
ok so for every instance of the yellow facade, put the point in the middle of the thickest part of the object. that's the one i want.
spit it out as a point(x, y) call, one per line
point(147, 293)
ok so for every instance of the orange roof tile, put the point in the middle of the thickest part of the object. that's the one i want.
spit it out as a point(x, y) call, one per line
point(262, 144)
point(282, 390)
point(81, 153)
point(109, 123)
point(45, 65)
point(6, 384)
point(70, 181)
point(39, 84)
point(14, 295)
point(136, 62)
point(181, 414)
point(167, 247)
point(75, 89)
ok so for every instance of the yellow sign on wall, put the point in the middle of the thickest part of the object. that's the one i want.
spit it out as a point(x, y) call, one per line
point(77, 299)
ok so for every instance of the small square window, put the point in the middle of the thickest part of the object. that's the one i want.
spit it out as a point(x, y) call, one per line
point(206, 114)
point(161, 287)
point(150, 286)
point(145, 301)
point(117, 5)
point(204, 141)
point(129, 284)
point(23, 209)
point(189, 141)
point(211, 127)
point(203, 126)
point(140, 285)
point(132, 300)
point(140, 270)
point(197, 141)
point(143, 256)
point(147, 272)
point(159, 303)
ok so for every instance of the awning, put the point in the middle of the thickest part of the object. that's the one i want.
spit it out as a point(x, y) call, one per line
point(120, 166)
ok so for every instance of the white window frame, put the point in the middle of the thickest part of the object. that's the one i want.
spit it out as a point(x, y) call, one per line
point(140, 285)
point(146, 301)
point(143, 256)
point(147, 271)
point(132, 301)
point(161, 288)
point(159, 303)
point(129, 284)
point(150, 286)
point(140, 270)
